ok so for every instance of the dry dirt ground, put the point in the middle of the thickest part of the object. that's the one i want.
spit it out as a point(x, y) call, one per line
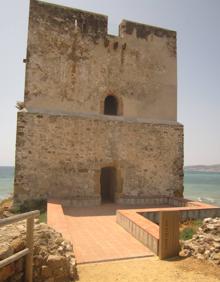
point(149, 269)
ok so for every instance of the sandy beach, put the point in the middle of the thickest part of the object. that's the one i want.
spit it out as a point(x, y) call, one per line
point(149, 270)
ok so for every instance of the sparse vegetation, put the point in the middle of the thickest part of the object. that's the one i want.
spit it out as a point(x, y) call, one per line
point(43, 217)
point(189, 228)
point(6, 204)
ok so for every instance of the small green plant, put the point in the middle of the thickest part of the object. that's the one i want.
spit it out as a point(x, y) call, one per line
point(43, 217)
point(189, 229)
point(186, 233)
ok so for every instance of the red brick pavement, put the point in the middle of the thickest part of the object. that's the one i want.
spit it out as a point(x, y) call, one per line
point(94, 233)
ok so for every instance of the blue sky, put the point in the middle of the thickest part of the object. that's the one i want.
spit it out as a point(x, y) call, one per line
point(197, 24)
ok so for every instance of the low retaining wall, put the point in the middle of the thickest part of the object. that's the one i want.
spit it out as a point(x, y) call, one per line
point(153, 200)
point(80, 202)
point(96, 201)
point(143, 224)
point(141, 228)
point(191, 210)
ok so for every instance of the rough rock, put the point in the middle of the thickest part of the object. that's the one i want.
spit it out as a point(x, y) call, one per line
point(53, 255)
point(5, 251)
point(205, 245)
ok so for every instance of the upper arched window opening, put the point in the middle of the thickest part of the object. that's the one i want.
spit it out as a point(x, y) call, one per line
point(111, 105)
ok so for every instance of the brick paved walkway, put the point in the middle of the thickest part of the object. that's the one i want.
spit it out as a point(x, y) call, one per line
point(94, 233)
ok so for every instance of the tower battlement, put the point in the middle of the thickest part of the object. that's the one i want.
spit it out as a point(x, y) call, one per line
point(73, 64)
point(92, 23)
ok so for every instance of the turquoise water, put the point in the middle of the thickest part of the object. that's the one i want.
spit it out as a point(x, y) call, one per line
point(6, 181)
point(202, 186)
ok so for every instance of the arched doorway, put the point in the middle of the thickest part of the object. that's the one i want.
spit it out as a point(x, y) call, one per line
point(108, 184)
point(111, 105)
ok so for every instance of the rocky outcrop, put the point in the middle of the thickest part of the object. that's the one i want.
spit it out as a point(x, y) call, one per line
point(205, 244)
point(54, 259)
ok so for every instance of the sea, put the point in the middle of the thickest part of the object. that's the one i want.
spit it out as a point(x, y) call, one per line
point(199, 186)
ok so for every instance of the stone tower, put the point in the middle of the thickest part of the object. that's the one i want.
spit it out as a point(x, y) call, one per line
point(100, 119)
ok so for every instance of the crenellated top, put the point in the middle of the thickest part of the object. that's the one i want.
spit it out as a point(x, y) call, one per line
point(74, 66)
point(92, 23)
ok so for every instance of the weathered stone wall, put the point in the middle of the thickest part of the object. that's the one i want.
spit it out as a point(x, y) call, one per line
point(73, 64)
point(53, 257)
point(62, 155)
point(64, 140)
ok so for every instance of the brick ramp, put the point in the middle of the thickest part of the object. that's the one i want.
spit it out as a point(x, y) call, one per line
point(94, 233)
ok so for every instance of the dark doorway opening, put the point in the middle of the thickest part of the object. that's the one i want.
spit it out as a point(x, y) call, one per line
point(108, 184)
point(111, 105)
